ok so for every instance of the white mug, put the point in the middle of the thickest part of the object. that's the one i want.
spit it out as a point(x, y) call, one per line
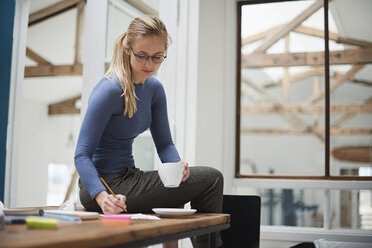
point(171, 174)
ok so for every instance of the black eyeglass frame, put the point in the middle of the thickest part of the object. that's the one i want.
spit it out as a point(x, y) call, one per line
point(142, 58)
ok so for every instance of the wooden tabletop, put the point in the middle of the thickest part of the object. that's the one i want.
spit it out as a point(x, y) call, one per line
point(92, 233)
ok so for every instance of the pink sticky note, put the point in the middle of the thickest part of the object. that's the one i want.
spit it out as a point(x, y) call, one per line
point(116, 217)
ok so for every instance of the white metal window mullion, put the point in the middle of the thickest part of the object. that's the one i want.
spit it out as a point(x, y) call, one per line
point(327, 209)
point(301, 184)
point(355, 219)
point(325, 185)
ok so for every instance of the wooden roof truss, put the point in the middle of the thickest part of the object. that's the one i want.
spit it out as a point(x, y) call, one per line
point(259, 58)
point(45, 68)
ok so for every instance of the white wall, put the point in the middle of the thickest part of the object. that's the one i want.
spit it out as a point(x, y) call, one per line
point(43, 139)
point(215, 132)
point(211, 81)
point(206, 84)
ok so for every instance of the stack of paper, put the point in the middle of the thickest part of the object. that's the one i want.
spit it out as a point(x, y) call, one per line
point(84, 215)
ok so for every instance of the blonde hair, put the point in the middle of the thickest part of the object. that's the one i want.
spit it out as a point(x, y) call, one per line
point(120, 63)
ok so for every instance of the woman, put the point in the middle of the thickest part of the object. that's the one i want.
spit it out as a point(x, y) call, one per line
point(122, 105)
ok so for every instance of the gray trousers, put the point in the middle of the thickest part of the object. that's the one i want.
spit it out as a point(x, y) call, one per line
point(144, 191)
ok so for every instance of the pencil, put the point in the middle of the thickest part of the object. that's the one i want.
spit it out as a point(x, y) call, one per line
point(109, 189)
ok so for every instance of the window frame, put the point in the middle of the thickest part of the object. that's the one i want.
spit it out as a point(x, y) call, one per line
point(327, 176)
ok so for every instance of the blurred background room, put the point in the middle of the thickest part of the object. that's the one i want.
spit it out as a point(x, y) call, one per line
point(248, 89)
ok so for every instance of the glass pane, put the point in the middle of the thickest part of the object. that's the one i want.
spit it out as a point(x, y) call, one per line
point(281, 128)
point(351, 89)
point(289, 207)
point(59, 176)
point(144, 152)
point(120, 14)
point(351, 209)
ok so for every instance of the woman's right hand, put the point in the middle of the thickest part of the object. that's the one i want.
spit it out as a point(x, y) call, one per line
point(109, 204)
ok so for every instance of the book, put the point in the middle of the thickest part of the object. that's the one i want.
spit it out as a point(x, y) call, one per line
point(37, 211)
point(84, 215)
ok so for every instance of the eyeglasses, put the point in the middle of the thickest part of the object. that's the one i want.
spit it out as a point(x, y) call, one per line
point(142, 58)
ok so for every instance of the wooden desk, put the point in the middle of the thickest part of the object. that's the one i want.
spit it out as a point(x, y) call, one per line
point(92, 233)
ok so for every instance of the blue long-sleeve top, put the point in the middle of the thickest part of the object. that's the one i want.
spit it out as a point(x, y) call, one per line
point(106, 135)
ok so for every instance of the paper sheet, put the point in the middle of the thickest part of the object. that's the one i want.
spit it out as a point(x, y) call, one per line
point(140, 216)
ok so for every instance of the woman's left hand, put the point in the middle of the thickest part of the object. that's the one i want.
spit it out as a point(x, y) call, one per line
point(186, 171)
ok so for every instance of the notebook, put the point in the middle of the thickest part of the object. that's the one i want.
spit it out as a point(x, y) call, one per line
point(84, 215)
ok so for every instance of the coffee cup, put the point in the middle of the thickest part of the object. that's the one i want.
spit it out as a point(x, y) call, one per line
point(171, 174)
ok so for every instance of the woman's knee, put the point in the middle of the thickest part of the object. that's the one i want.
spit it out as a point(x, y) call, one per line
point(219, 178)
point(210, 174)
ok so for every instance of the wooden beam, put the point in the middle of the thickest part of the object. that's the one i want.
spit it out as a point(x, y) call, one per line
point(52, 10)
point(54, 70)
point(71, 186)
point(332, 36)
point(259, 36)
point(309, 109)
point(78, 32)
point(355, 80)
point(315, 32)
point(290, 117)
point(280, 33)
point(334, 131)
point(64, 107)
point(317, 71)
point(316, 89)
point(316, 85)
point(352, 56)
point(359, 81)
point(354, 42)
point(306, 74)
point(345, 118)
point(299, 76)
point(286, 89)
point(36, 57)
point(64, 111)
point(349, 115)
point(336, 83)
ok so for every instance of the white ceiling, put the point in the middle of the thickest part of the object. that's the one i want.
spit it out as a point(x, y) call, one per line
point(353, 18)
point(54, 40)
point(36, 5)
